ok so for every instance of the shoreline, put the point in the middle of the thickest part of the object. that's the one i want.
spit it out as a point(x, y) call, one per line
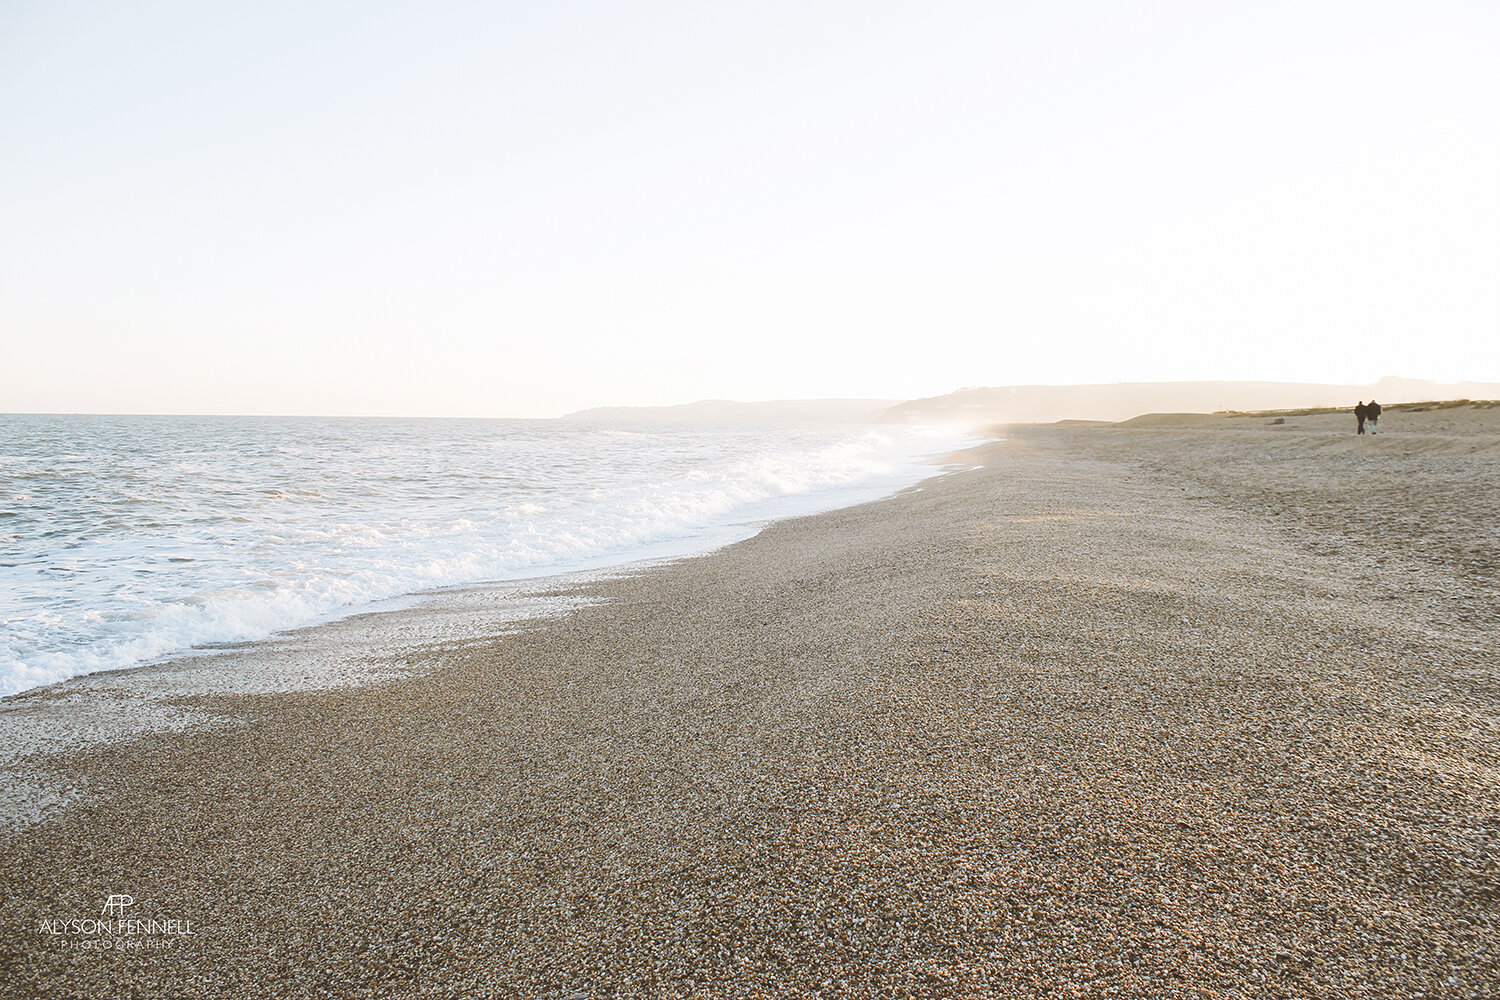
point(1126, 711)
point(702, 540)
point(257, 560)
point(360, 647)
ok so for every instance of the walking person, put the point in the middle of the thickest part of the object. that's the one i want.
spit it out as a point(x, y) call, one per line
point(1360, 413)
point(1372, 414)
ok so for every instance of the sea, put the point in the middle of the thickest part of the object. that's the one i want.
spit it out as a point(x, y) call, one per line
point(126, 540)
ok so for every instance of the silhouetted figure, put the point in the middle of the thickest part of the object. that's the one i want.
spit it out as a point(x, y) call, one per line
point(1372, 414)
point(1361, 412)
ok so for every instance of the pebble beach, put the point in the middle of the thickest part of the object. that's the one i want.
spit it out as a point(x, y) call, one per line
point(1197, 706)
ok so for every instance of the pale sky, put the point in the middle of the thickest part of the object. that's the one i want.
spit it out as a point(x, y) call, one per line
point(518, 209)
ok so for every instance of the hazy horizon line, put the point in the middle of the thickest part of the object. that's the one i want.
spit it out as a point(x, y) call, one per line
point(893, 400)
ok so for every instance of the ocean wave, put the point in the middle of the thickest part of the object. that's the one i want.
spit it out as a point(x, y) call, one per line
point(325, 524)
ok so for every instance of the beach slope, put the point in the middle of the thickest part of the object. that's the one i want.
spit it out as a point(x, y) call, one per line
point(1191, 706)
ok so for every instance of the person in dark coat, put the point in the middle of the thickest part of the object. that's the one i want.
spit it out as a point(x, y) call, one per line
point(1372, 414)
point(1360, 413)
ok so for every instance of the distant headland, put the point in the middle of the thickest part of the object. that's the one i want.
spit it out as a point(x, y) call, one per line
point(1045, 403)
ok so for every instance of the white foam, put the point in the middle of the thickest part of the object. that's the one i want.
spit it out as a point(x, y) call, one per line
point(223, 543)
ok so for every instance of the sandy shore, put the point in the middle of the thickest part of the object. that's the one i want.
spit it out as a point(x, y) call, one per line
point(1190, 706)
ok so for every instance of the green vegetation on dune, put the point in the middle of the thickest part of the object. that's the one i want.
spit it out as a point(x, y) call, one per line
point(1417, 407)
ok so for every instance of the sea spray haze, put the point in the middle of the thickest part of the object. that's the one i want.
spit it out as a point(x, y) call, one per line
point(124, 539)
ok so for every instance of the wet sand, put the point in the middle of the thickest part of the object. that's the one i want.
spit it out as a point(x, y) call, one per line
point(1187, 706)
